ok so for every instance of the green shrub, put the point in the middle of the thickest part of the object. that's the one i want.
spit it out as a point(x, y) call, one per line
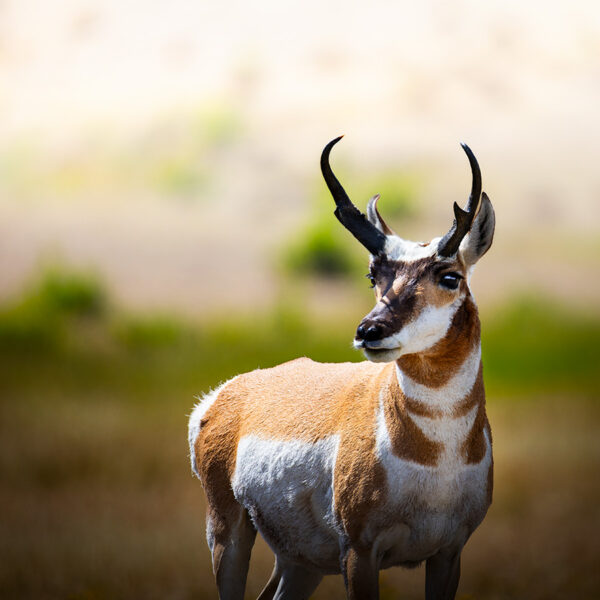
point(25, 327)
point(69, 293)
point(38, 319)
point(148, 332)
point(321, 250)
point(324, 248)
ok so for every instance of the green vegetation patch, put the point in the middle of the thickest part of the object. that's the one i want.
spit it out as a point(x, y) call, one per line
point(41, 319)
point(321, 250)
point(537, 344)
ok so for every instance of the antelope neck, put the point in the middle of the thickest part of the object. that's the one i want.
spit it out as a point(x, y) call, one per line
point(446, 373)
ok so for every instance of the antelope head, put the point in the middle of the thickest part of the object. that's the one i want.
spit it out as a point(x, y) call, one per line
point(419, 286)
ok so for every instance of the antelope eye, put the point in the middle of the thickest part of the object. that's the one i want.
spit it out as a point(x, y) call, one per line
point(450, 280)
point(371, 279)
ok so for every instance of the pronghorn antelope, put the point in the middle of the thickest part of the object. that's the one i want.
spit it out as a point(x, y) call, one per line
point(357, 467)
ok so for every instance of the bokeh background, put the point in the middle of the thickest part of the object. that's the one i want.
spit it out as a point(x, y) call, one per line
point(163, 226)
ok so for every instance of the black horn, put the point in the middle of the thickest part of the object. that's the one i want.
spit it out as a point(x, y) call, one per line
point(463, 219)
point(348, 215)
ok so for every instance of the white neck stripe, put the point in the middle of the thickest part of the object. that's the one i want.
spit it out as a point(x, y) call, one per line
point(447, 396)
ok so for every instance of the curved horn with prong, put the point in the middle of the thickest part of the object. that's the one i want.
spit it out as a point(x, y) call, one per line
point(347, 214)
point(463, 220)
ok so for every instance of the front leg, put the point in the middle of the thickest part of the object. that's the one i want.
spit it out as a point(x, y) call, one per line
point(442, 573)
point(361, 575)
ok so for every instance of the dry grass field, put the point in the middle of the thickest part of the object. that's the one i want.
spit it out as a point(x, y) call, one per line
point(98, 502)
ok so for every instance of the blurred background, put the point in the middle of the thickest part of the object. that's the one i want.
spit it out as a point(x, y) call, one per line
point(164, 226)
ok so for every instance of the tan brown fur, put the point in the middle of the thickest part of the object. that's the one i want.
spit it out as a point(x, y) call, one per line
point(359, 480)
point(474, 447)
point(215, 451)
point(311, 400)
point(421, 409)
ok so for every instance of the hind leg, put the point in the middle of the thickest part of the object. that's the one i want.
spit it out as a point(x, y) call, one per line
point(296, 583)
point(230, 538)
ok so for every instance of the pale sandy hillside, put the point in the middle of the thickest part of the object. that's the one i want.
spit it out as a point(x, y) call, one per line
point(174, 148)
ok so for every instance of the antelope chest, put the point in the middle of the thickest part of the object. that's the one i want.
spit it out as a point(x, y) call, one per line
point(430, 506)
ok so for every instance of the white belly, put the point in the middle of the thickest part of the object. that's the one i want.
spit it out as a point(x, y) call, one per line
point(287, 487)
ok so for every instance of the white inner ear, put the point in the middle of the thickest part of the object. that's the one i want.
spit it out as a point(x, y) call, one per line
point(375, 218)
point(478, 241)
point(372, 215)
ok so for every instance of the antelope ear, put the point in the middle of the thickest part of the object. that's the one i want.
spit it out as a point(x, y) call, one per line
point(375, 218)
point(479, 239)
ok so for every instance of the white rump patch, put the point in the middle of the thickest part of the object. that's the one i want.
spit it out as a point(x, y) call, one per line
point(205, 402)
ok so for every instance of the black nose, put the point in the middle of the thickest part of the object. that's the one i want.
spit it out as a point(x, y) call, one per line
point(368, 332)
